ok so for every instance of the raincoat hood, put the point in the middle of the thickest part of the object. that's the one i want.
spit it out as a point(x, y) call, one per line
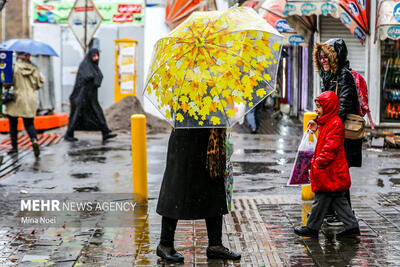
point(330, 106)
point(26, 68)
point(336, 51)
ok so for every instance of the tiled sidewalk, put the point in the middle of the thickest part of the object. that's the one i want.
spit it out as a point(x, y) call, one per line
point(261, 229)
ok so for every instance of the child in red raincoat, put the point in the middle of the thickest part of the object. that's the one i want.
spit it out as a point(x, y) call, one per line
point(329, 173)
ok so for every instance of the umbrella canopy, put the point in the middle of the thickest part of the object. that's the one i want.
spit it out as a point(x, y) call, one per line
point(28, 46)
point(210, 64)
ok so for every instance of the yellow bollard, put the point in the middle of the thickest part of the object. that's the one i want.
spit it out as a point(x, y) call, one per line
point(139, 158)
point(306, 193)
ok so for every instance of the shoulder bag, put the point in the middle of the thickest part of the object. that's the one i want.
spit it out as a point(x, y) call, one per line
point(354, 125)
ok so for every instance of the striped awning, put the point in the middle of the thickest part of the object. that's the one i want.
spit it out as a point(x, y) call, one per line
point(352, 13)
point(272, 12)
point(388, 20)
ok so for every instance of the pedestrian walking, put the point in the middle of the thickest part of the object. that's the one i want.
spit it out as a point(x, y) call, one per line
point(329, 173)
point(27, 80)
point(330, 60)
point(193, 188)
point(254, 116)
point(86, 113)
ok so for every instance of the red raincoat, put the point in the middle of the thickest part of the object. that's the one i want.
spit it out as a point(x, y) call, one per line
point(329, 170)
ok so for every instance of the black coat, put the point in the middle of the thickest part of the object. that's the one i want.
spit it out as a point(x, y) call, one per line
point(347, 94)
point(86, 112)
point(187, 191)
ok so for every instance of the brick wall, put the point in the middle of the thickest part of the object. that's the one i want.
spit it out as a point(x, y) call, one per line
point(14, 20)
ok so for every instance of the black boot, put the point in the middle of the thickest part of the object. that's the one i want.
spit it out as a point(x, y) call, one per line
point(13, 151)
point(109, 135)
point(349, 232)
point(35, 147)
point(305, 231)
point(169, 254)
point(221, 252)
point(70, 138)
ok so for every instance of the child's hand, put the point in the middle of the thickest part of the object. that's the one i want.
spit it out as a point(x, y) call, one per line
point(312, 125)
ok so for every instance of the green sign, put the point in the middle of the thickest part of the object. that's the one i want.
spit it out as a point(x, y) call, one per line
point(112, 11)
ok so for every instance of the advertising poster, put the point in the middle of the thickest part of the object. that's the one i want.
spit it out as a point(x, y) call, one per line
point(113, 12)
point(125, 78)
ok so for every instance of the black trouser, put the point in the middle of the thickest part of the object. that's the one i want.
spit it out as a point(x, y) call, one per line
point(214, 231)
point(29, 127)
point(339, 203)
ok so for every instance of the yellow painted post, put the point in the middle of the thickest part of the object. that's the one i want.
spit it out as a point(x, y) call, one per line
point(306, 193)
point(139, 158)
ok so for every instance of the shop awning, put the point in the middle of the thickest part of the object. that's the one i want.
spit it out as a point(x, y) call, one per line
point(178, 10)
point(272, 12)
point(388, 20)
point(352, 13)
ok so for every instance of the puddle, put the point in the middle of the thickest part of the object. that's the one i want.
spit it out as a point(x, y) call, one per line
point(81, 175)
point(254, 167)
point(389, 171)
point(255, 151)
point(389, 156)
point(395, 180)
point(95, 159)
point(380, 183)
point(87, 189)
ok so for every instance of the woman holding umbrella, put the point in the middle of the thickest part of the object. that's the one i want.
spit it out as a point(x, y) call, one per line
point(193, 188)
point(199, 73)
point(27, 80)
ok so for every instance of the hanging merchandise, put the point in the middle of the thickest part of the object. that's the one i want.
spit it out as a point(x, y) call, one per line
point(390, 81)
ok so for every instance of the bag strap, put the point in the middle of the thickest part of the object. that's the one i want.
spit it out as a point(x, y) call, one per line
point(337, 85)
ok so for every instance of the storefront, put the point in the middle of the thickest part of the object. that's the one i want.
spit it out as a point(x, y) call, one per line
point(329, 19)
point(294, 79)
point(388, 33)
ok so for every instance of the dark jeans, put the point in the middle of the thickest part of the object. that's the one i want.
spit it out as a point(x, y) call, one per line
point(214, 231)
point(339, 203)
point(29, 127)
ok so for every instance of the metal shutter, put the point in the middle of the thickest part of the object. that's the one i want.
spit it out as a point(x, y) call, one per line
point(333, 28)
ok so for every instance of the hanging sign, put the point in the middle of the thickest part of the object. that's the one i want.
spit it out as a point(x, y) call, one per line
point(6, 66)
point(125, 72)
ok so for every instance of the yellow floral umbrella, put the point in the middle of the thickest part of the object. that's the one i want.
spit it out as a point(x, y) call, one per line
point(212, 63)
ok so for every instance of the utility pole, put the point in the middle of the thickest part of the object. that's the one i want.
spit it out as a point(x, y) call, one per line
point(3, 24)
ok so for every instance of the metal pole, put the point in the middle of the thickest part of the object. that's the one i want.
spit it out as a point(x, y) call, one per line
point(23, 17)
point(85, 38)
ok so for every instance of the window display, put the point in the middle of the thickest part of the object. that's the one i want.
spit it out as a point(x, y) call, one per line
point(390, 82)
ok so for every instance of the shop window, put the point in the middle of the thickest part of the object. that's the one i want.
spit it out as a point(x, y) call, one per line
point(390, 82)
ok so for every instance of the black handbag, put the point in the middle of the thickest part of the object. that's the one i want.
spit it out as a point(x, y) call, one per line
point(7, 97)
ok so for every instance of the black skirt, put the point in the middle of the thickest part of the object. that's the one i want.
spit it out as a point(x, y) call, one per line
point(187, 191)
point(353, 151)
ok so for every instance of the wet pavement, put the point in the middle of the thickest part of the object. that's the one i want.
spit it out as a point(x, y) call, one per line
point(260, 225)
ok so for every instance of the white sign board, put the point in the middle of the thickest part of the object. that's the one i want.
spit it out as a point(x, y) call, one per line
point(84, 14)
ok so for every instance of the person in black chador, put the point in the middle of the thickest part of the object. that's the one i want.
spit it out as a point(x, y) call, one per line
point(86, 113)
point(193, 188)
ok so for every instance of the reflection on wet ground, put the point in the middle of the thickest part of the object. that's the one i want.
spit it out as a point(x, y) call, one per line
point(260, 225)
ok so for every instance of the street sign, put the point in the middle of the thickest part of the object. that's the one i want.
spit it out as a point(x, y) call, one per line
point(6, 66)
point(84, 20)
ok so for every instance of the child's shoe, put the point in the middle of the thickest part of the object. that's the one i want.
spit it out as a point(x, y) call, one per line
point(349, 232)
point(305, 231)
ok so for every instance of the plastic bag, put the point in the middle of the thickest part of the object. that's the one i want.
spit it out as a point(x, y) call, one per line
point(228, 179)
point(301, 169)
point(240, 110)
